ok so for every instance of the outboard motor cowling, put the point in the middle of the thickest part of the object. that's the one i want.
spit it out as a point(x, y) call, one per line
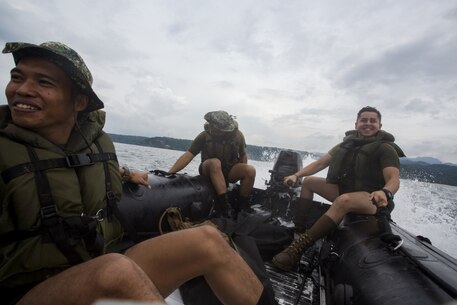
point(288, 163)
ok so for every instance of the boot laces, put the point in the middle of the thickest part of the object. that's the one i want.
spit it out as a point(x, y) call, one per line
point(297, 247)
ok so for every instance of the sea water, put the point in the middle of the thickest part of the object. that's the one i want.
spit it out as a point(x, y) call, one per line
point(426, 209)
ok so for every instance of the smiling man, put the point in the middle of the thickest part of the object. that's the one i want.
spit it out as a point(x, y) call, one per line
point(363, 175)
point(51, 112)
point(59, 188)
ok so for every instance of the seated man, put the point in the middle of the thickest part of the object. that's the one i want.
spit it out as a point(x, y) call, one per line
point(363, 175)
point(224, 160)
point(59, 188)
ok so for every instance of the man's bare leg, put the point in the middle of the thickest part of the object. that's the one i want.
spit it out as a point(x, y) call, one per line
point(357, 202)
point(172, 259)
point(212, 168)
point(246, 175)
point(317, 185)
point(109, 276)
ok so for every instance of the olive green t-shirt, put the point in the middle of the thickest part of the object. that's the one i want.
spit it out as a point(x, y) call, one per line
point(199, 143)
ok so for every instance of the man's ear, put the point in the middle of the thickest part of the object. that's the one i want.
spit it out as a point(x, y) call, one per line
point(81, 102)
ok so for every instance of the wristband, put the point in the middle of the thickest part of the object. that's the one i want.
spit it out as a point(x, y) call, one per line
point(389, 194)
point(126, 176)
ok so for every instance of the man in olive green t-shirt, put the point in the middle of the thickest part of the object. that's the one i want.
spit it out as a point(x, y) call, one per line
point(363, 176)
point(224, 159)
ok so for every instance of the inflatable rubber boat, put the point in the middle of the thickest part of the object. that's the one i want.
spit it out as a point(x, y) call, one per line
point(353, 265)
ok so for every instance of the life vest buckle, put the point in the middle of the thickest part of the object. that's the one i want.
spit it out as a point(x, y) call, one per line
point(49, 215)
point(79, 160)
point(110, 196)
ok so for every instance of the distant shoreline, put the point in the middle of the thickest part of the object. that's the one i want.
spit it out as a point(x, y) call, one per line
point(410, 169)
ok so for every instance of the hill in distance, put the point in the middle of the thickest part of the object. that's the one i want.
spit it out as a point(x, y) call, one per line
point(424, 169)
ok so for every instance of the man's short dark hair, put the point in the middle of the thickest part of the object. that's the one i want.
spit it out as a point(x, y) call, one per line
point(369, 109)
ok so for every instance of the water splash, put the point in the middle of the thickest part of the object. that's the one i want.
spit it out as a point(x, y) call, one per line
point(422, 208)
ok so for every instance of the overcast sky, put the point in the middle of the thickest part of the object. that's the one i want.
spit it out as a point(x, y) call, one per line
point(294, 73)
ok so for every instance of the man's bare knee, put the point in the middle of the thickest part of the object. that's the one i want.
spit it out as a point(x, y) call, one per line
point(215, 247)
point(107, 276)
point(307, 186)
point(341, 203)
point(343, 199)
point(214, 164)
point(250, 172)
point(120, 277)
point(309, 181)
point(210, 235)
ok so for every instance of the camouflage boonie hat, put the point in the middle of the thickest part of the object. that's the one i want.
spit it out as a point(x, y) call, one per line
point(63, 56)
point(221, 120)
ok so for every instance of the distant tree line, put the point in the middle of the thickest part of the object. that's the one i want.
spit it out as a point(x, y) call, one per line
point(432, 173)
point(421, 171)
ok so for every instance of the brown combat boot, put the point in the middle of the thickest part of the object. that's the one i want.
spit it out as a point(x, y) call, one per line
point(289, 257)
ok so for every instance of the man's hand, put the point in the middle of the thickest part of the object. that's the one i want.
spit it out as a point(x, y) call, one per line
point(379, 198)
point(137, 177)
point(140, 177)
point(290, 180)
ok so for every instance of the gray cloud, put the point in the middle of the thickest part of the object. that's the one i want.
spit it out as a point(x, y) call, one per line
point(432, 58)
point(294, 73)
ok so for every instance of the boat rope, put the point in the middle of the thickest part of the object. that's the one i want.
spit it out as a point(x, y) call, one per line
point(305, 272)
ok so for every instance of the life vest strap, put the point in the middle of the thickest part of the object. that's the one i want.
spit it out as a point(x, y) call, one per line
point(74, 228)
point(75, 160)
point(49, 214)
point(112, 207)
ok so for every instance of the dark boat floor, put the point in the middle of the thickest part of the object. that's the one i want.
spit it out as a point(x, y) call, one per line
point(292, 288)
point(303, 285)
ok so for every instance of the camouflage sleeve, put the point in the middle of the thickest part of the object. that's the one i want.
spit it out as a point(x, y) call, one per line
point(197, 145)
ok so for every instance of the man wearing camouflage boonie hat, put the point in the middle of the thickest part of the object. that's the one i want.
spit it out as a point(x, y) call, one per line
point(221, 121)
point(66, 58)
point(58, 172)
point(224, 159)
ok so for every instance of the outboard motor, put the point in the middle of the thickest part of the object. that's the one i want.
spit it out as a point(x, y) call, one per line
point(281, 198)
point(288, 163)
